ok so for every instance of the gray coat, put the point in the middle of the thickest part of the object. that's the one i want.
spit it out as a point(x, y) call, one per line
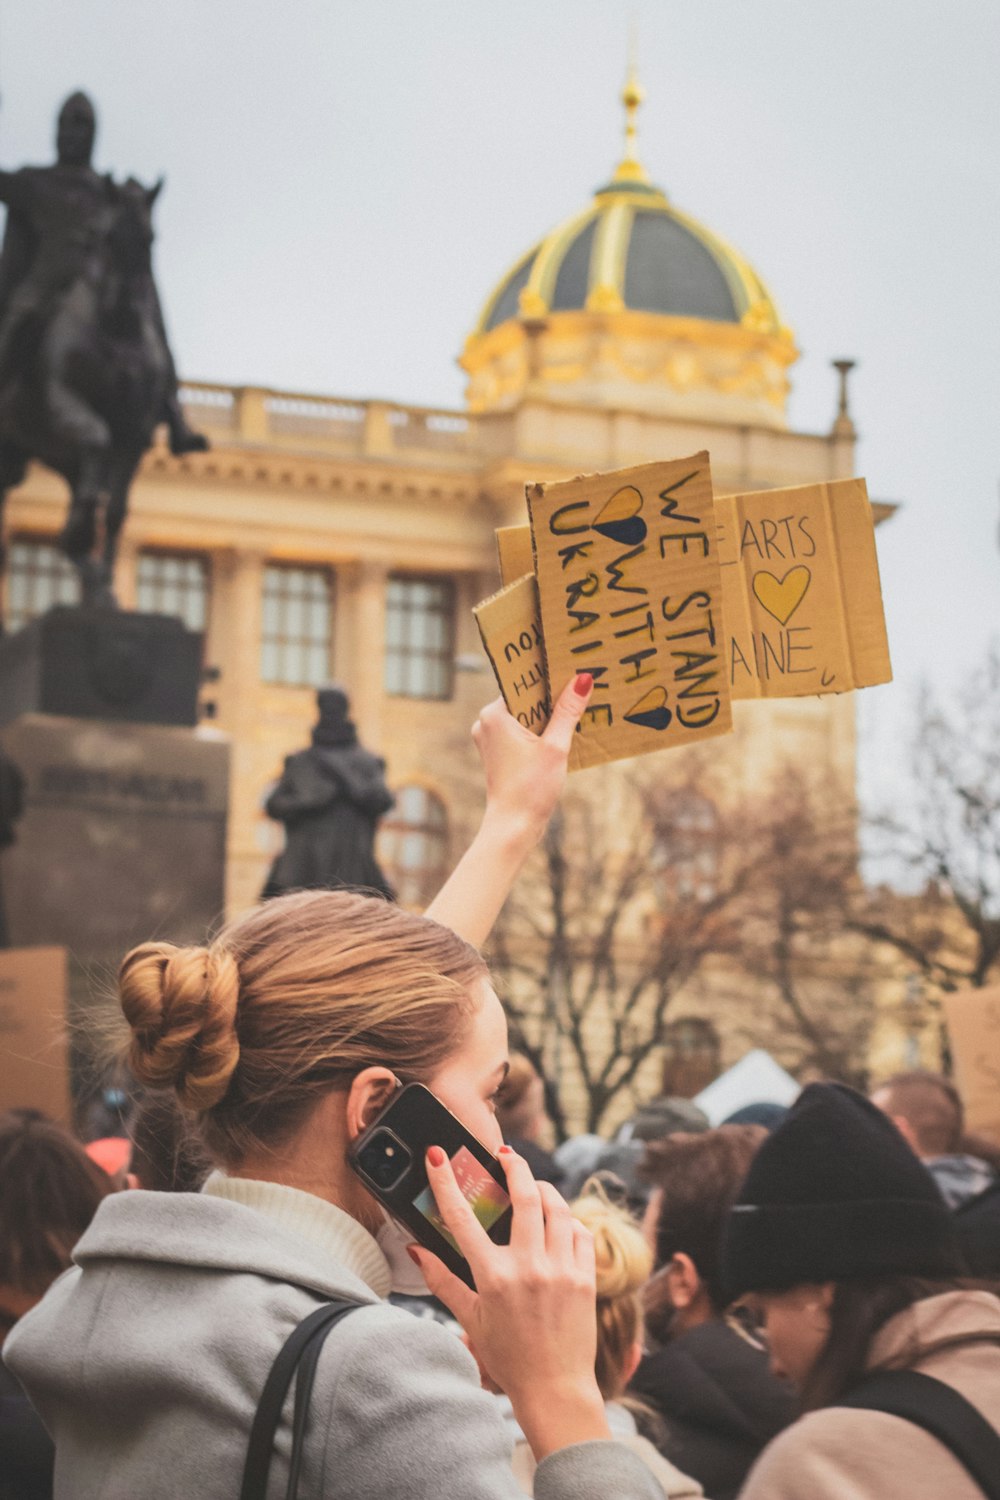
point(147, 1359)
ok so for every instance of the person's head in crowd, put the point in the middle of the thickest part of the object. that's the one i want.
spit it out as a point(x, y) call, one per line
point(837, 1228)
point(49, 1192)
point(695, 1180)
point(762, 1112)
point(166, 1155)
point(296, 1024)
point(521, 1101)
point(624, 1262)
point(665, 1116)
point(926, 1109)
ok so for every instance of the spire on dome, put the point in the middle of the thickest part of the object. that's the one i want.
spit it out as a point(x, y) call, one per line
point(630, 169)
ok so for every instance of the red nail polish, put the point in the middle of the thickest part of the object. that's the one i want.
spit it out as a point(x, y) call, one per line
point(506, 1151)
point(583, 684)
point(435, 1156)
point(411, 1252)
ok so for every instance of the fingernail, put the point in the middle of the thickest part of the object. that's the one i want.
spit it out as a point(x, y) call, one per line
point(412, 1253)
point(506, 1151)
point(583, 684)
point(435, 1156)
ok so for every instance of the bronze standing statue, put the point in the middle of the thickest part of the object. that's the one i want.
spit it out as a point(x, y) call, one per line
point(330, 799)
point(86, 372)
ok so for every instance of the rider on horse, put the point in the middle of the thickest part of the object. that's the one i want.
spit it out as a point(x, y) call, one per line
point(58, 218)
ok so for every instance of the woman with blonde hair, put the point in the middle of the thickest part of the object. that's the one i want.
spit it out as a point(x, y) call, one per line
point(624, 1261)
point(285, 1036)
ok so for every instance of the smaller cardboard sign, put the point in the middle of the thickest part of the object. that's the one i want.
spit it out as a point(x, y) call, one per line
point(514, 552)
point(973, 1020)
point(34, 1071)
point(630, 590)
point(801, 592)
point(511, 627)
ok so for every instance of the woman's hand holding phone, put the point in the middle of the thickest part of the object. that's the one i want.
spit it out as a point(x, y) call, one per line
point(533, 1318)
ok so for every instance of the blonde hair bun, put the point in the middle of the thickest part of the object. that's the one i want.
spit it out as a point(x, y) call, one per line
point(181, 1006)
point(624, 1255)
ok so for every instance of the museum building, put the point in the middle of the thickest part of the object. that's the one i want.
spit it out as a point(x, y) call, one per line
point(327, 539)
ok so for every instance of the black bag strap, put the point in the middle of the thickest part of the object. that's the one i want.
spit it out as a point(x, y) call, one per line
point(300, 1352)
point(940, 1410)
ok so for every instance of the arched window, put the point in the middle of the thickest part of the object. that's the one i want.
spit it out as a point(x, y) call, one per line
point(692, 1056)
point(413, 845)
point(685, 853)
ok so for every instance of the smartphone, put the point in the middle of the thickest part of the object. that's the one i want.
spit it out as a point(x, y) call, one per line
point(389, 1159)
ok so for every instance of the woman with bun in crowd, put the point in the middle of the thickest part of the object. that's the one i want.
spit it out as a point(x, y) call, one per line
point(843, 1247)
point(624, 1261)
point(285, 1037)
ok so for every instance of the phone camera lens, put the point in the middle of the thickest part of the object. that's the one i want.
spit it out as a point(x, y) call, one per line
point(384, 1160)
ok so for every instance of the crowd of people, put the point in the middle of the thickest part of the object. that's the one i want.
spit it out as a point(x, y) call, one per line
point(794, 1303)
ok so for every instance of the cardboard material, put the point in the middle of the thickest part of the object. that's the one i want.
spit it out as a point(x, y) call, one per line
point(514, 552)
point(801, 593)
point(34, 1068)
point(801, 596)
point(973, 1020)
point(511, 627)
point(630, 589)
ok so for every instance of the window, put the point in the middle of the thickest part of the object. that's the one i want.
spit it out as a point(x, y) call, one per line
point(420, 637)
point(413, 845)
point(38, 576)
point(692, 1056)
point(685, 856)
point(174, 583)
point(298, 625)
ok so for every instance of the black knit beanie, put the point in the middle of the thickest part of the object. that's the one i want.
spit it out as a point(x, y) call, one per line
point(835, 1193)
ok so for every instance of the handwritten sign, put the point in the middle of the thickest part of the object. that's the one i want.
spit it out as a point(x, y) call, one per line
point(801, 593)
point(511, 627)
point(630, 590)
point(973, 1019)
point(34, 1068)
point(514, 553)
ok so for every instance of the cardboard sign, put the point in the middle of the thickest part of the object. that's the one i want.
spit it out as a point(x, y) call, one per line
point(973, 1020)
point(511, 627)
point(801, 593)
point(34, 1071)
point(630, 589)
point(514, 552)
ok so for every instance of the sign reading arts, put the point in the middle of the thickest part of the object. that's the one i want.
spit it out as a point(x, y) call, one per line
point(801, 591)
point(629, 589)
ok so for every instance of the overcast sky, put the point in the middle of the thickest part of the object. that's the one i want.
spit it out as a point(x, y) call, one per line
point(346, 182)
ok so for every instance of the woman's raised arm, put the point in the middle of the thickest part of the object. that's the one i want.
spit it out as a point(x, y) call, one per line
point(525, 775)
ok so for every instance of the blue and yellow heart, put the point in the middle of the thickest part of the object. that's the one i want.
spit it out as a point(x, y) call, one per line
point(619, 519)
point(651, 711)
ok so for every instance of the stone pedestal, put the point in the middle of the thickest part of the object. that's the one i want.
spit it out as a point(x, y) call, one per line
point(122, 839)
point(102, 664)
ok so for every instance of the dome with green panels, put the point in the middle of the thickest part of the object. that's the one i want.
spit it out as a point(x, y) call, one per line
point(688, 310)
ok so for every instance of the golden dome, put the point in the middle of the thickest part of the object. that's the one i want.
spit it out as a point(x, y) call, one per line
point(664, 280)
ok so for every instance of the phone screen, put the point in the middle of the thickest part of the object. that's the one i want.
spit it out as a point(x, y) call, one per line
point(480, 1190)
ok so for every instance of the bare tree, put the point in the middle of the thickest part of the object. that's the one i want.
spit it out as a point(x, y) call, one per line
point(633, 899)
point(949, 843)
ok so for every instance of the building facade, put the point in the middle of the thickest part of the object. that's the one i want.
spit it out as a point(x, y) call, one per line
point(327, 539)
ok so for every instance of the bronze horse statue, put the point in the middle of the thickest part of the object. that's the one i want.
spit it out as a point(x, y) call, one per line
point(86, 373)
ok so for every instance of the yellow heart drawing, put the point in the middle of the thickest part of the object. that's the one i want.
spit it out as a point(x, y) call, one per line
point(781, 597)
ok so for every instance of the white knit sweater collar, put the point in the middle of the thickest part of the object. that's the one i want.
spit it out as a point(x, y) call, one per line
point(324, 1225)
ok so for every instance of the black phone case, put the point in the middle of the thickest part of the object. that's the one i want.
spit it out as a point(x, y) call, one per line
point(419, 1120)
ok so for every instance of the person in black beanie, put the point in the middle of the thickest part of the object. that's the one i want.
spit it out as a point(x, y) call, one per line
point(843, 1247)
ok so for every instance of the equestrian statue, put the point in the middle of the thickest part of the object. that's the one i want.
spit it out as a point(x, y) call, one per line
point(86, 372)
